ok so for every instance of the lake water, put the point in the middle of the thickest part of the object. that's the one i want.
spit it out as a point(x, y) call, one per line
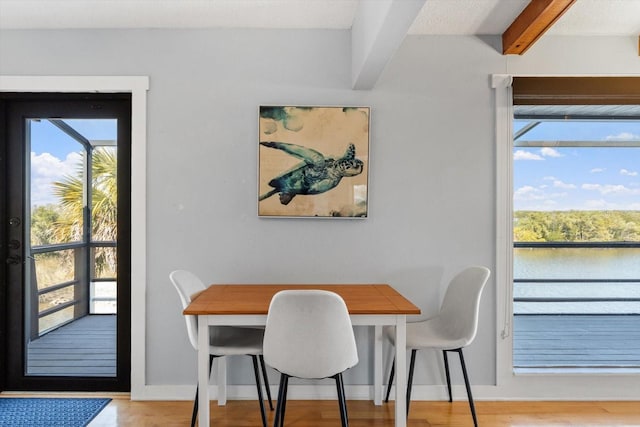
point(577, 263)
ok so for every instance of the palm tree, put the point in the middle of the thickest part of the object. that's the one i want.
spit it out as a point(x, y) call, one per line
point(70, 191)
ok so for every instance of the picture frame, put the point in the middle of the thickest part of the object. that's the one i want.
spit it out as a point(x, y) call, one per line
point(313, 161)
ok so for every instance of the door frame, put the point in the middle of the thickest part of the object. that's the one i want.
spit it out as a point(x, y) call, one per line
point(138, 87)
point(76, 106)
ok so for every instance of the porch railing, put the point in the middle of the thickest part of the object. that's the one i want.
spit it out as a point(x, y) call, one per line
point(617, 295)
point(54, 304)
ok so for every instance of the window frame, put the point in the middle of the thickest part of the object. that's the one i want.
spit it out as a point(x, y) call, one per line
point(550, 385)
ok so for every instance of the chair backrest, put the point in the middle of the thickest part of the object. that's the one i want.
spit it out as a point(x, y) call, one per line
point(187, 284)
point(461, 304)
point(309, 334)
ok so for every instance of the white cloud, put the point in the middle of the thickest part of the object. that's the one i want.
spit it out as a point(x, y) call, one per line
point(623, 136)
point(526, 155)
point(46, 169)
point(610, 189)
point(628, 172)
point(558, 195)
point(597, 170)
point(559, 184)
point(550, 152)
point(528, 193)
point(599, 204)
point(602, 205)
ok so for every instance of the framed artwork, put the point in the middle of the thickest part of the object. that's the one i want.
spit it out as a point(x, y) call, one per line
point(313, 162)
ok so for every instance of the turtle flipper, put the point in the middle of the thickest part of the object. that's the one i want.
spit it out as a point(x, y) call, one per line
point(268, 194)
point(308, 155)
point(350, 153)
point(285, 198)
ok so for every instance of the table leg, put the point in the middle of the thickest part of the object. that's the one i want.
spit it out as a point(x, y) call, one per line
point(203, 371)
point(222, 381)
point(401, 371)
point(377, 366)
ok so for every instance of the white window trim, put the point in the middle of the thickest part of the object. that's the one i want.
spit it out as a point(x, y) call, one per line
point(553, 386)
point(138, 87)
point(504, 228)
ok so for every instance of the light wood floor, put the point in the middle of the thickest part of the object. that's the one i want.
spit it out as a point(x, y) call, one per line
point(123, 412)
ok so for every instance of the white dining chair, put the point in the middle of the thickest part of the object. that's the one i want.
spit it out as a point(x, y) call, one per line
point(452, 329)
point(309, 335)
point(225, 340)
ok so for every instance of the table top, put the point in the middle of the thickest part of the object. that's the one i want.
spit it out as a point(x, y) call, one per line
point(252, 299)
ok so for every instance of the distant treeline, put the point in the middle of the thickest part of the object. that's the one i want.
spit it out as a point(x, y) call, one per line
point(576, 226)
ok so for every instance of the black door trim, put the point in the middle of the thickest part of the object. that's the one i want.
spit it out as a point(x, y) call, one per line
point(94, 105)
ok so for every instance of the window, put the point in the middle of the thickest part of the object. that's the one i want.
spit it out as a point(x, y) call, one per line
point(576, 222)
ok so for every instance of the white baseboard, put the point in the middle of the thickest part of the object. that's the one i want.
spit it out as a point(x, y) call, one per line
point(248, 392)
point(311, 392)
point(419, 392)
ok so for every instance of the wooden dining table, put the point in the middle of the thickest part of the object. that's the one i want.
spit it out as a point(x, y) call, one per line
point(374, 305)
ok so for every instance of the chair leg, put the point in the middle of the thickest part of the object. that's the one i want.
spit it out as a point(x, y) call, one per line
point(391, 374)
point(259, 386)
point(446, 370)
point(284, 399)
point(346, 413)
point(466, 383)
point(341, 400)
point(194, 414)
point(277, 417)
point(412, 365)
point(278, 420)
point(266, 381)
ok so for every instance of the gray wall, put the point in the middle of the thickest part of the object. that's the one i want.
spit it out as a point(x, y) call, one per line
point(432, 162)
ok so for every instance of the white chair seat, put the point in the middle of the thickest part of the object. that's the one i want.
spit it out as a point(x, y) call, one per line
point(231, 341)
point(428, 333)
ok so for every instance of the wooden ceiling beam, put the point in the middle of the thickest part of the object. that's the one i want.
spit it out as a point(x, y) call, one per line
point(531, 24)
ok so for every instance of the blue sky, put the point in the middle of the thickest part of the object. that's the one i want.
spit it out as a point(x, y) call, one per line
point(55, 154)
point(581, 178)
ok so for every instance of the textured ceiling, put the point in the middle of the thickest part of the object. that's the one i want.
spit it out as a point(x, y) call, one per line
point(451, 17)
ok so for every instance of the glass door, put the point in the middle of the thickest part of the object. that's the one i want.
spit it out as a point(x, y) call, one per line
point(69, 251)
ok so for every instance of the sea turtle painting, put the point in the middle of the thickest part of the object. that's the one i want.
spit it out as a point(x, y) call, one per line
point(316, 173)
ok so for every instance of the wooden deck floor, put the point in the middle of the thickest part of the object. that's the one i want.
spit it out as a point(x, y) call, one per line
point(86, 347)
point(576, 341)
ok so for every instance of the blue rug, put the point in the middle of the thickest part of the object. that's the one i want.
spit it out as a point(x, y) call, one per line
point(49, 412)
